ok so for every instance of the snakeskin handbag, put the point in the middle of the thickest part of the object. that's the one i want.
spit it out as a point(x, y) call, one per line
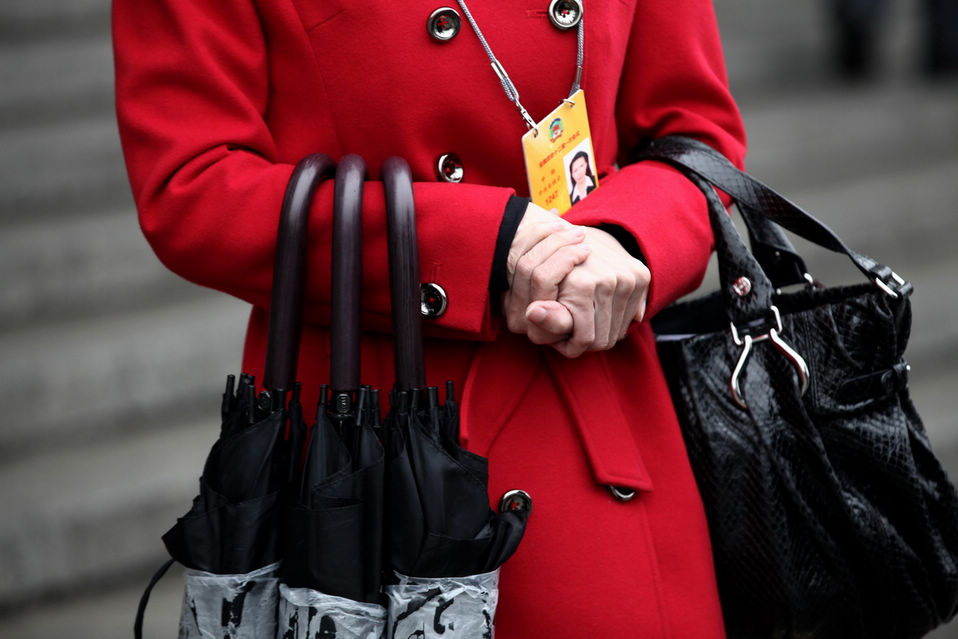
point(829, 514)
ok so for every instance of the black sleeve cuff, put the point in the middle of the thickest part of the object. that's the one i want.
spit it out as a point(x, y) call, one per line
point(626, 239)
point(515, 209)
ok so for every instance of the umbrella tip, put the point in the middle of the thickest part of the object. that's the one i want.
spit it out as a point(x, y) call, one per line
point(361, 397)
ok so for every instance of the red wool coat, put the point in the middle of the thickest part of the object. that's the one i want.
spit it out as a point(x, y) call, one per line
point(218, 100)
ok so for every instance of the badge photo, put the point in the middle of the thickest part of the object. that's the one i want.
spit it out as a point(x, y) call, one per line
point(580, 171)
point(560, 162)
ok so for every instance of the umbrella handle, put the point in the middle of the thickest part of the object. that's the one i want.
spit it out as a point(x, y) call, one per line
point(289, 275)
point(346, 276)
point(404, 274)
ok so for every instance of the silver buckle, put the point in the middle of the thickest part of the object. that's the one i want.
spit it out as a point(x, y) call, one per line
point(773, 335)
point(887, 289)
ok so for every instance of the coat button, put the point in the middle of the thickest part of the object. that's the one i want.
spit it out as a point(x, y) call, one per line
point(443, 23)
point(515, 501)
point(565, 14)
point(432, 300)
point(449, 168)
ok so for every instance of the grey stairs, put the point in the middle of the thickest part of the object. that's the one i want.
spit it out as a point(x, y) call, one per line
point(111, 366)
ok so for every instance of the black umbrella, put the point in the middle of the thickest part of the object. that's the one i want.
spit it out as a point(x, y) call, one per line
point(229, 540)
point(439, 523)
point(333, 558)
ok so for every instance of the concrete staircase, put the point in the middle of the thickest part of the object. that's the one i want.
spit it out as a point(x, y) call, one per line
point(112, 366)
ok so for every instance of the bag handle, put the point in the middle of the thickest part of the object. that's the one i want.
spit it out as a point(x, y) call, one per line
point(404, 287)
point(771, 247)
point(760, 202)
point(289, 276)
point(346, 280)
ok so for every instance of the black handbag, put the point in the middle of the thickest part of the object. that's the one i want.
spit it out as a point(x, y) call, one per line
point(828, 512)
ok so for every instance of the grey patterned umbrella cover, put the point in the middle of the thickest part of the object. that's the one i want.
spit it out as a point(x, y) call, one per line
point(229, 606)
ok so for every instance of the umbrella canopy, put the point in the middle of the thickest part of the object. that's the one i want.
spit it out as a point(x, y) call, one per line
point(231, 527)
point(334, 526)
point(438, 515)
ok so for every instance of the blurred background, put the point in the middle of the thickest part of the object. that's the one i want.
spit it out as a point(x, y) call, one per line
point(112, 367)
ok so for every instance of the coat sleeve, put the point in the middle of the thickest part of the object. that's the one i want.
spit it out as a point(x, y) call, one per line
point(194, 111)
point(673, 82)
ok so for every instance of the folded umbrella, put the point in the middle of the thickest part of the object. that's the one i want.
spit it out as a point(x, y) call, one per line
point(332, 566)
point(443, 539)
point(229, 540)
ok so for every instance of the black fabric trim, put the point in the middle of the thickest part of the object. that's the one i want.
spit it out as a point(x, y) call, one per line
point(515, 209)
point(626, 239)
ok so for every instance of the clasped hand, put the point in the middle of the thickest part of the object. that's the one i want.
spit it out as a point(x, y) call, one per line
point(571, 287)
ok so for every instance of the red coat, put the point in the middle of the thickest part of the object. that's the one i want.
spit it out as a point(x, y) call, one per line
point(217, 100)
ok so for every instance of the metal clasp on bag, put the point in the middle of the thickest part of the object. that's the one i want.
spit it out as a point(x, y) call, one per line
point(899, 282)
point(774, 336)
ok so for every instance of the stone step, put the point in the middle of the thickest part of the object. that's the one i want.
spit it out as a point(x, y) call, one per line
point(119, 373)
point(907, 220)
point(105, 611)
point(827, 136)
point(787, 47)
point(908, 215)
point(61, 270)
point(59, 79)
point(61, 169)
point(78, 517)
point(29, 20)
point(762, 37)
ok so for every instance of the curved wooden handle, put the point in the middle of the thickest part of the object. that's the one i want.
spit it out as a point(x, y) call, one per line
point(347, 275)
point(289, 273)
point(404, 274)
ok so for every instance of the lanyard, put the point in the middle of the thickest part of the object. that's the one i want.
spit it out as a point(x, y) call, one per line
point(511, 92)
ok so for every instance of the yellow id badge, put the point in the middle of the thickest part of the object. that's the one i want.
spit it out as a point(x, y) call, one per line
point(560, 163)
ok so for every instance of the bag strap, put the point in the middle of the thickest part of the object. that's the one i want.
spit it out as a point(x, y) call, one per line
point(758, 201)
point(771, 247)
point(404, 288)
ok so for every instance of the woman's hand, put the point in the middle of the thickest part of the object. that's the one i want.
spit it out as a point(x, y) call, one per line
point(603, 295)
point(544, 251)
point(571, 287)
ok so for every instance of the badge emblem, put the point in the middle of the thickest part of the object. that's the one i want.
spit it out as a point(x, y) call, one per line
point(555, 129)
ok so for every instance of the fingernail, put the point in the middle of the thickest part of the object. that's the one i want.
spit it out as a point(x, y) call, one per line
point(536, 314)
